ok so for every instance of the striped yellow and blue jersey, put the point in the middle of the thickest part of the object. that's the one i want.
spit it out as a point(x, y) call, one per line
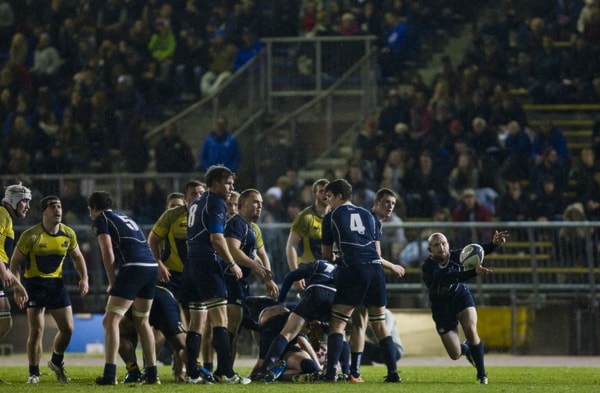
point(46, 252)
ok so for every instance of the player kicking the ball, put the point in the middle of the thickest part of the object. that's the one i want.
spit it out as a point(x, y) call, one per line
point(451, 300)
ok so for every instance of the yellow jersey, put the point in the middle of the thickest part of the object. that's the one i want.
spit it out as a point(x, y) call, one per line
point(172, 227)
point(46, 252)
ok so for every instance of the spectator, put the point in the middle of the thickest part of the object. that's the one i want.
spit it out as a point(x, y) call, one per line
point(190, 62)
point(365, 146)
point(369, 19)
point(529, 35)
point(112, 19)
point(469, 210)
point(549, 204)
point(162, 47)
point(579, 71)
point(74, 203)
point(172, 153)
point(547, 73)
point(46, 63)
point(493, 62)
point(550, 166)
point(363, 189)
point(572, 241)
point(518, 149)
point(134, 146)
point(515, 204)
point(250, 47)
point(394, 112)
point(397, 48)
point(347, 26)
point(425, 187)
point(507, 109)
point(147, 200)
point(271, 159)
point(220, 147)
point(463, 176)
point(477, 107)
point(220, 67)
point(584, 174)
point(591, 199)
point(483, 139)
point(308, 17)
point(586, 14)
point(550, 135)
point(520, 75)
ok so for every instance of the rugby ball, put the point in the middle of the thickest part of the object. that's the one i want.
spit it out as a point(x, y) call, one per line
point(471, 256)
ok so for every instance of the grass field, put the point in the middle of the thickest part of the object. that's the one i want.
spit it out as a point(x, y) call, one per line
point(415, 379)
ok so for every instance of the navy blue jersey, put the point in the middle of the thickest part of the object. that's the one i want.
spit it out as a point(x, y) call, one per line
point(238, 228)
point(354, 231)
point(444, 281)
point(377, 220)
point(206, 216)
point(318, 273)
point(128, 240)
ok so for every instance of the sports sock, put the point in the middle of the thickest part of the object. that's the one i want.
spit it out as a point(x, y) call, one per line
point(477, 354)
point(335, 343)
point(274, 352)
point(192, 345)
point(355, 360)
point(34, 370)
point(57, 359)
point(151, 373)
point(110, 371)
point(208, 366)
point(345, 358)
point(222, 346)
point(386, 346)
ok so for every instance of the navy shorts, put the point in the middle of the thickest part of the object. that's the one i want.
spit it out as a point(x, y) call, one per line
point(444, 313)
point(237, 290)
point(50, 293)
point(135, 282)
point(361, 284)
point(2, 291)
point(203, 281)
point(174, 284)
point(315, 304)
point(164, 315)
point(268, 331)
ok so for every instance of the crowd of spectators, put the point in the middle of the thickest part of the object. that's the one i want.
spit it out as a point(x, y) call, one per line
point(464, 143)
point(79, 78)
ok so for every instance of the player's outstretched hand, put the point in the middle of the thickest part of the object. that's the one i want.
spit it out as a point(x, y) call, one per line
point(482, 271)
point(500, 237)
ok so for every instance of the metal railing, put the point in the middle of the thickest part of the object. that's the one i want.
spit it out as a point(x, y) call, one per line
point(544, 265)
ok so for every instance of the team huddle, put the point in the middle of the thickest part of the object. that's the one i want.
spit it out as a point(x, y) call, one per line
point(188, 286)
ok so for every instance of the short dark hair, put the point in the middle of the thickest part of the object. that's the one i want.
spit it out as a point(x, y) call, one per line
point(383, 192)
point(100, 200)
point(193, 184)
point(47, 201)
point(217, 173)
point(340, 187)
